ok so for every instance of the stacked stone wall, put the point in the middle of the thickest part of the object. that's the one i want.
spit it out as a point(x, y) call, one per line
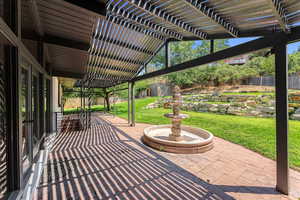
point(241, 105)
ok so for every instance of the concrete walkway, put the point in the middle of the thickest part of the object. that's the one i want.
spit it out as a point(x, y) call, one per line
point(108, 161)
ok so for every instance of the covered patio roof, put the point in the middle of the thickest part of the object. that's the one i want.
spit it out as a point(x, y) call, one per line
point(108, 43)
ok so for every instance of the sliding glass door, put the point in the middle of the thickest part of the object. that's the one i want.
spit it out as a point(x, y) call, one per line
point(31, 135)
point(26, 121)
point(36, 136)
point(47, 106)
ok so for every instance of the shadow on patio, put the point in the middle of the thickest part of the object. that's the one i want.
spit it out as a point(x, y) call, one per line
point(105, 163)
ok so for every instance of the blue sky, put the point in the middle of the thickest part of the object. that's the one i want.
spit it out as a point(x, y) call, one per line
point(291, 47)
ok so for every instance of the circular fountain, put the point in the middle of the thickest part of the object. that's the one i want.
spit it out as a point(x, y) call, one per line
point(176, 138)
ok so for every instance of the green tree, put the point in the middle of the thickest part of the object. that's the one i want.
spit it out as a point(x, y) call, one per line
point(262, 65)
point(294, 63)
point(157, 62)
point(183, 51)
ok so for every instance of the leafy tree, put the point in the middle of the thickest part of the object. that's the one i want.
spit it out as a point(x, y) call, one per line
point(263, 65)
point(294, 63)
point(157, 62)
point(188, 50)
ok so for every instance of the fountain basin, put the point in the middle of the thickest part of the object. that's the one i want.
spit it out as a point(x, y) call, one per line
point(193, 140)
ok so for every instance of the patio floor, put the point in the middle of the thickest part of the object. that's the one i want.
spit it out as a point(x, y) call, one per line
point(108, 161)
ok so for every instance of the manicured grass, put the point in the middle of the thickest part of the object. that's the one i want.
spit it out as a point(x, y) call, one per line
point(93, 108)
point(257, 134)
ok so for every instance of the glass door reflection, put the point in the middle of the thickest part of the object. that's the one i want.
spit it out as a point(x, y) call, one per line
point(34, 113)
point(25, 110)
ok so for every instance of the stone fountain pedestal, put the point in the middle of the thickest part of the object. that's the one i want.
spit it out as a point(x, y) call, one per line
point(177, 138)
point(175, 134)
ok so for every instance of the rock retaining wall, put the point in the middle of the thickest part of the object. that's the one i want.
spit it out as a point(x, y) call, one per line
point(241, 105)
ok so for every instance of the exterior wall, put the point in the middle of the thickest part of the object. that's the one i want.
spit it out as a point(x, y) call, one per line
point(55, 93)
point(56, 109)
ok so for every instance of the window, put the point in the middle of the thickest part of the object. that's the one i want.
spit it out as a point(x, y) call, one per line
point(3, 133)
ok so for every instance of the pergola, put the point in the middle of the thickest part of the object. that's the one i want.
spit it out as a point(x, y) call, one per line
point(104, 44)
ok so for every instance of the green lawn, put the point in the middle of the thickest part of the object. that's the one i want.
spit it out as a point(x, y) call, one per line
point(257, 134)
point(93, 108)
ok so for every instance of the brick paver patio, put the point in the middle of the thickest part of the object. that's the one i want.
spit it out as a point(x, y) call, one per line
point(108, 161)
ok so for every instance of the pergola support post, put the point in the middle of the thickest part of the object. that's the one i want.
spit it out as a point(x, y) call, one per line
point(81, 102)
point(42, 103)
point(212, 46)
point(281, 83)
point(167, 55)
point(83, 98)
point(129, 104)
point(51, 105)
point(132, 99)
point(106, 98)
point(104, 104)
